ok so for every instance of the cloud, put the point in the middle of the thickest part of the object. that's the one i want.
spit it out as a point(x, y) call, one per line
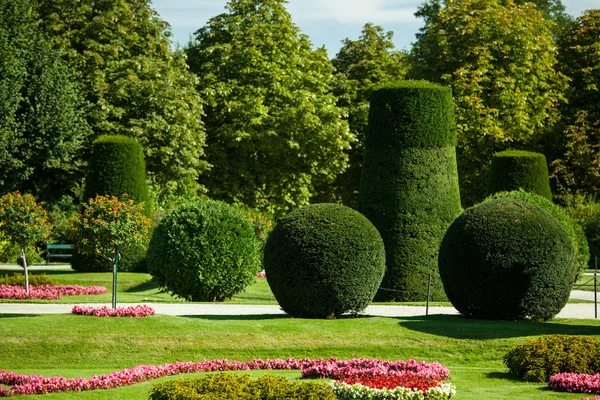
point(354, 11)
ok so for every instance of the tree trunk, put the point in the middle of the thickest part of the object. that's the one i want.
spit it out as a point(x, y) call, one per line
point(24, 259)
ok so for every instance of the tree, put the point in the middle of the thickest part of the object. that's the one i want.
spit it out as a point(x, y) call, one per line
point(361, 65)
point(108, 224)
point(42, 128)
point(577, 170)
point(274, 132)
point(500, 61)
point(135, 84)
point(24, 222)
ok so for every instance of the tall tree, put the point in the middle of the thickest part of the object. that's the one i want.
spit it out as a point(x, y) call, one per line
point(578, 169)
point(42, 128)
point(135, 84)
point(500, 60)
point(361, 65)
point(274, 131)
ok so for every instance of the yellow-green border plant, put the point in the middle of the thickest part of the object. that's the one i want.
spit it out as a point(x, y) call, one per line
point(24, 222)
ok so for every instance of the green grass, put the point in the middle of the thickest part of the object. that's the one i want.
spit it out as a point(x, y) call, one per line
point(587, 283)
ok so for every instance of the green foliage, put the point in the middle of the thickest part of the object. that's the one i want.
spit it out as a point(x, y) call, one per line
point(135, 84)
point(42, 129)
point(227, 386)
point(23, 220)
point(361, 65)
point(274, 132)
point(61, 214)
point(507, 259)
point(499, 58)
point(515, 169)
point(16, 279)
point(538, 359)
point(575, 231)
point(409, 183)
point(204, 250)
point(586, 211)
point(261, 222)
point(324, 260)
point(577, 170)
point(108, 222)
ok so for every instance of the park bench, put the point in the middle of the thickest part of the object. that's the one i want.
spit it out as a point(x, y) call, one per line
point(58, 251)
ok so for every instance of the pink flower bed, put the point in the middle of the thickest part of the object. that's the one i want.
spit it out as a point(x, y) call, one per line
point(261, 274)
point(48, 292)
point(575, 383)
point(141, 310)
point(34, 384)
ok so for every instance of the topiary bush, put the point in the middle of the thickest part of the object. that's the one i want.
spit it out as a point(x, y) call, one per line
point(506, 259)
point(17, 279)
point(538, 359)
point(227, 386)
point(204, 250)
point(116, 167)
point(409, 183)
point(516, 169)
point(576, 233)
point(324, 260)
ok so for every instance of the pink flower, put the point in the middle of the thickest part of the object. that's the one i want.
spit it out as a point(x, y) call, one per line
point(48, 292)
point(138, 311)
point(575, 383)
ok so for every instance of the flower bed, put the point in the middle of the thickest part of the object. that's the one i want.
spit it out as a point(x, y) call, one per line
point(410, 386)
point(34, 384)
point(575, 383)
point(48, 292)
point(261, 274)
point(138, 311)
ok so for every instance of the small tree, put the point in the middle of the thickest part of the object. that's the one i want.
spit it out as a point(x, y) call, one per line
point(107, 224)
point(24, 222)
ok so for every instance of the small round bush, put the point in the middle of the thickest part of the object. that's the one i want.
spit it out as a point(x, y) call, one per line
point(204, 250)
point(538, 359)
point(506, 259)
point(575, 231)
point(324, 260)
point(517, 169)
point(17, 279)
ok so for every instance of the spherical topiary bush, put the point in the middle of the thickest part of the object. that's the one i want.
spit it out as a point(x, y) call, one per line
point(204, 250)
point(575, 231)
point(324, 260)
point(507, 259)
point(516, 169)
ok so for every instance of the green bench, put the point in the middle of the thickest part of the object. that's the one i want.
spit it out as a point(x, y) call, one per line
point(58, 251)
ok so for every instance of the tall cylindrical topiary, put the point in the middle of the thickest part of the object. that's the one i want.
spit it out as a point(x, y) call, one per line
point(116, 167)
point(517, 169)
point(409, 183)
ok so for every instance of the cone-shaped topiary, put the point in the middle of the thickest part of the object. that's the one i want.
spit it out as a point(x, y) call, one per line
point(508, 260)
point(409, 183)
point(116, 167)
point(517, 169)
point(204, 250)
point(324, 260)
point(575, 231)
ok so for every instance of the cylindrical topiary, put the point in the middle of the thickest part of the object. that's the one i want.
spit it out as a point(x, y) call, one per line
point(204, 250)
point(116, 167)
point(506, 259)
point(409, 183)
point(575, 231)
point(324, 260)
point(516, 169)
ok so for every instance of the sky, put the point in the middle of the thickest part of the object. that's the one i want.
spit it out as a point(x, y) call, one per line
point(326, 22)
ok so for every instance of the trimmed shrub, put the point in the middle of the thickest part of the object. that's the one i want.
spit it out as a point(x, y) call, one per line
point(204, 250)
point(227, 386)
point(517, 169)
point(409, 183)
point(538, 359)
point(324, 260)
point(506, 259)
point(586, 211)
point(578, 240)
point(116, 167)
point(17, 279)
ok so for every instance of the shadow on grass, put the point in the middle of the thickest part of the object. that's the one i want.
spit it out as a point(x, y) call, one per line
point(459, 327)
point(505, 376)
point(4, 316)
point(143, 287)
point(253, 317)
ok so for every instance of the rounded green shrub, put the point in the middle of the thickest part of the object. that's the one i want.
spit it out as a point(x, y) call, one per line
point(506, 259)
point(227, 386)
point(586, 212)
point(516, 169)
point(204, 250)
point(18, 279)
point(324, 260)
point(409, 183)
point(116, 167)
point(575, 231)
point(538, 359)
